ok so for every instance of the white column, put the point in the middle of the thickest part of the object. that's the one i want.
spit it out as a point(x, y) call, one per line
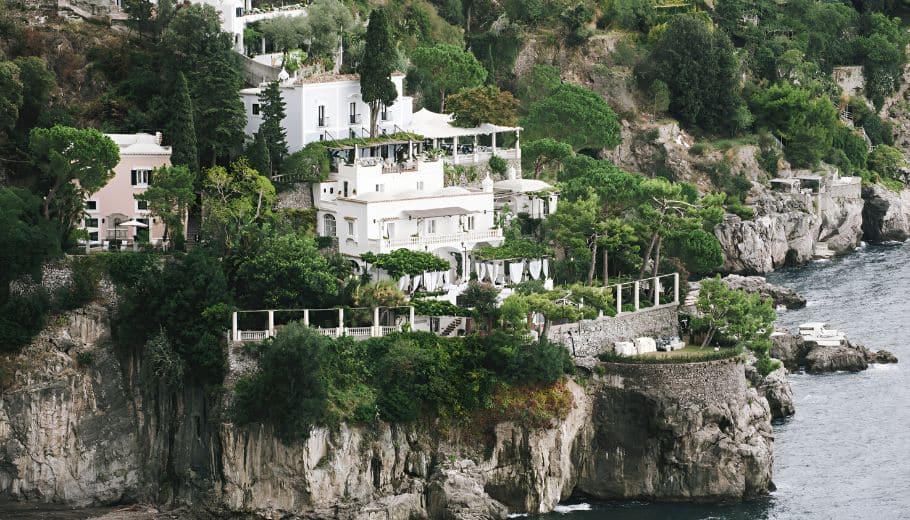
point(656, 291)
point(376, 327)
point(235, 334)
point(271, 324)
point(306, 317)
point(518, 146)
point(411, 317)
point(619, 299)
point(455, 150)
point(675, 287)
point(465, 270)
point(494, 143)
point(637, 288)
point(340, 321)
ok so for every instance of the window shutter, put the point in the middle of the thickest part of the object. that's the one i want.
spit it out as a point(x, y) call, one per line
point(133, 177)
point(148, 177)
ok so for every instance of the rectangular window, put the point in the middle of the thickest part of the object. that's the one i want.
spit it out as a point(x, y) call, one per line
point(470, 222)
point(91, 222)
point(93, 236)
point(239, 12)
point(385, 113)
point(355, 119)
point(380, 188)
point(321, 116)
point(140, 177)
point(91, 205)
point(142, 205)
point(431, 226)
point(419, 185)
point(351, 229)
point(255, 109)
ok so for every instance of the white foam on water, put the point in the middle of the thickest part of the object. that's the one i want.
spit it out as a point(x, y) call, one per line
point(568, 508)
point(517, 515)
point(883, 366)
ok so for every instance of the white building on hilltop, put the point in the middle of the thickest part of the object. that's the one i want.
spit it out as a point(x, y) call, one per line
point(237, 14)
point(327, 107)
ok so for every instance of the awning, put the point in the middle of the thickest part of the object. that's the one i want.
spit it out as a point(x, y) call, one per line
point(436, 212)
point(439, 126)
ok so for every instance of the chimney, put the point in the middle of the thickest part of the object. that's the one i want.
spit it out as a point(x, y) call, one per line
point(158, 138)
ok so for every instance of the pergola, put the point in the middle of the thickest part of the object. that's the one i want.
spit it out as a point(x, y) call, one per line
point(438, 129)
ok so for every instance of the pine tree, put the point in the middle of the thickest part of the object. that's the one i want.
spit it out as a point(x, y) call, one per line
point(271, 106)
point(219, 107)
point(183, 128)
point(376, 87)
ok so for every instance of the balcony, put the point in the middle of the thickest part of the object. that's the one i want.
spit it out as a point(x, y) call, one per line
point(440, 239)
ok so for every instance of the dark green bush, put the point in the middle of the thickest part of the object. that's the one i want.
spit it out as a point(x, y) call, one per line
point(21, 318)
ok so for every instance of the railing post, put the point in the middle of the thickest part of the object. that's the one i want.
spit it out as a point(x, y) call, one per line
point(676, 288)
point(618, 299)
point(235, 333)
point(656, 291)
point(271, 332)
point(637, 292)
point(306, 317)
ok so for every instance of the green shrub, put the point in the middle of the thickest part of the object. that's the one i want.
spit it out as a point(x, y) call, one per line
point(498, 165)
point(539, 362)
point(765, 365)
point(85, 358)
point(21, 318)
point(698, 149)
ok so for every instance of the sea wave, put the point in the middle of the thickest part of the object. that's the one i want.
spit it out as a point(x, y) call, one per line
point(568, 508)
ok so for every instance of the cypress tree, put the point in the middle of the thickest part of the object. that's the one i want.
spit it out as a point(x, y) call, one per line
point(258, 154)
point(271, 106)
point(376, 87)
point(183, 128)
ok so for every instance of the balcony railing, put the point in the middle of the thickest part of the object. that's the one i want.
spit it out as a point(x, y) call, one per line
point(441, 238)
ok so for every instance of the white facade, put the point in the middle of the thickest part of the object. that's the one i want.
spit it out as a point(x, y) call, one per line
point(379, 205)
point(532, 197)
point(328, 107)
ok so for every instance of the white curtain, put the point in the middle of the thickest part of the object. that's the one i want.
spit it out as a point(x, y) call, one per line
point(515, 271)
point(534, 268)
point(403, 282)
point(417, 279)
point(441, 278)
point(429, 281)
point(493, 270)
point(479, 268)
point(546, 268)
point(447, 279)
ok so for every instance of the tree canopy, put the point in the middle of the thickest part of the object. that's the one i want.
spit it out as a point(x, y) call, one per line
point(376, 67)
point(573, 115)
point(485, 104)
point(169, 197)
point(445, 69)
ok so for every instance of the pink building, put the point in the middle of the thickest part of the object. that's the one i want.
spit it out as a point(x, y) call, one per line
point(115, 204)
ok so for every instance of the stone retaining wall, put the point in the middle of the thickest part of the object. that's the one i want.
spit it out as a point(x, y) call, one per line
point(592, 337)
point(703, 382)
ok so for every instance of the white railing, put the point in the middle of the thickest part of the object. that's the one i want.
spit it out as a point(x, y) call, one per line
point(363, 332)
point(253, 335)
point(433, 238)
point(332, 332)
point(482, 156)
point(385, 330)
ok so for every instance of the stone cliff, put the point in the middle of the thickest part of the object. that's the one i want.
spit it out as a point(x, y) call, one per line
point(81, 425)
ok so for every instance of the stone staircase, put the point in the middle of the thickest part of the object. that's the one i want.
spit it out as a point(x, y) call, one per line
point(447, 332)
point(192, 229)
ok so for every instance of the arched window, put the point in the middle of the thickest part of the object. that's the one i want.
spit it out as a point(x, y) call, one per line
point(328, 225)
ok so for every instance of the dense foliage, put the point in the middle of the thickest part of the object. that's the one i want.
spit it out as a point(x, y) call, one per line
point(311, 380)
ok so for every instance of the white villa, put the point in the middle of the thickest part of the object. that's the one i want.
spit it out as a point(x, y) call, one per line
point(114, 218)
point(237, 14)
point(328, 107)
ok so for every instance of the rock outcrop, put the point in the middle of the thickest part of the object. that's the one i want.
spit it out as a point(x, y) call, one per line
point(758, 284)
point(821, 359)
point(80, 425)
point(886, 216)
point(775, 387)
point(788, 348)
point(787, 229)
point(817, 359)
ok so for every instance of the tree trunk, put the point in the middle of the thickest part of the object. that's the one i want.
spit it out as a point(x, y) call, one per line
point(46, 208)
point(606, 264)
point(593, 262)
point(660, 241)
point(442, 106)
point(374, 116)
point(708, 337)
point(644, 261)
